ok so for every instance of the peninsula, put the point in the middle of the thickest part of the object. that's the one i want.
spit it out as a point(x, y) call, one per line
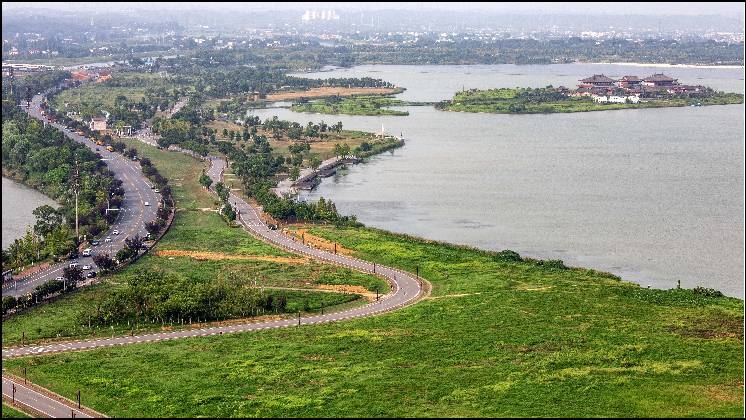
point(595, 93)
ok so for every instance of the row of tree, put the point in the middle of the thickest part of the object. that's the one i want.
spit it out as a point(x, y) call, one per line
point(42, 157)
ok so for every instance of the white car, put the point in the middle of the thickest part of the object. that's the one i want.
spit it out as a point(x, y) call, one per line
point(73, 264)
point(108, 239)
point(116, 232)
point(86, 267)
point(146, 203)
point(60, 278)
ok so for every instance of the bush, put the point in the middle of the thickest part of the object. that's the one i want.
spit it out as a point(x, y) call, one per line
point(508, 255)
point(707, 292)
point(558, 264)
point(9, 302)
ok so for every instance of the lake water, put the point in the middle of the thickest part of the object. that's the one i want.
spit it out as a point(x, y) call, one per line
point(19, 201)
point(653, 195)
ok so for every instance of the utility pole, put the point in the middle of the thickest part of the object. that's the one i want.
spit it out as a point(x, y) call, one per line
point(76, 190)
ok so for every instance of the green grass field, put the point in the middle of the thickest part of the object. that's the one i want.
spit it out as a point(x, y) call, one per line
point(11, 413)
point(193, 230)
point(496, 338)
point(354, 105)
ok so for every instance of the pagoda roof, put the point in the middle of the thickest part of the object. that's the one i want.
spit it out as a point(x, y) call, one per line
point(659, 77)
point(598, 78)
point(630, 79)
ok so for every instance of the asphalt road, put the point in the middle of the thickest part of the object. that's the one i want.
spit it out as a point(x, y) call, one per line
point(130, 221)
point(405, 289)
point(41, 401)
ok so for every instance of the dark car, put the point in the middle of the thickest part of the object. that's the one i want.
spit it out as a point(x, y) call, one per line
point(94, 243)
point(91, 274)
point(72, 256)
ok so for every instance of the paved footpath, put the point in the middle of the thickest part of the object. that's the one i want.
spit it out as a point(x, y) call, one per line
point(405, 289)
point(41, 402)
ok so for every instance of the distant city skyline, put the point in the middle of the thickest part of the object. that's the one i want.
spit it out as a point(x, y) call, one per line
point(730, 9)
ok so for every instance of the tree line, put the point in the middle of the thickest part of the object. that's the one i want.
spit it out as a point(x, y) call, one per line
point(42, 157)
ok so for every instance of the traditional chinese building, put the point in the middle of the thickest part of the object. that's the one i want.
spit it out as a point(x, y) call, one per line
point(659, 80)
point(597, 81)
point(629, 82)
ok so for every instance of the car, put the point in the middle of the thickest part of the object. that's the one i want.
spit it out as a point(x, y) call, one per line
point(86, 267)
point(156, 191)
point(97, 149)
point(60, 278)
point(94, 243)
point(91, 274)
point(73, 264)
point(146, 203)
point(108, 239)
point(73, 255)
point(115, 232)
point(87, 252)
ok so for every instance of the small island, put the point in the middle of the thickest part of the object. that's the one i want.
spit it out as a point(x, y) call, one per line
point(354, 105)
point(595, 93)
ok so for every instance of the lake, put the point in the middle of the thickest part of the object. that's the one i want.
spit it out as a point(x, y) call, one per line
point(19, 202)
point(652, 195)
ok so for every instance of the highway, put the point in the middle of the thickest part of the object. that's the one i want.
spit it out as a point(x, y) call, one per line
point(130, 221)
point(405, 287)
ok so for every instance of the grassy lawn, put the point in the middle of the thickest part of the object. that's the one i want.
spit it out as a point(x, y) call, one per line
point(356, 105)
point(194, 230)
point(323, 148)
point(496, 339)
point(11, 413)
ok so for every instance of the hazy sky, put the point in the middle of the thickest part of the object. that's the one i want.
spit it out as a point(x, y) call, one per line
point(731, 9)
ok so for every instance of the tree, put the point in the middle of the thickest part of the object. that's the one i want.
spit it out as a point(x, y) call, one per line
point(47, 219)
point(205, 180)
point(72, 276)
point(315, 162)
point(135, 243)
point(119, 146)
point(59, 241)
point(9, 302)
point(338, 150)
point(294, 173)
point(103, 261)
point(222, 192)
point(125, 254)
point(153, 227)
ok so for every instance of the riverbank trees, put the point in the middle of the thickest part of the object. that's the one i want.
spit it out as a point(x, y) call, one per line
point(41, 157)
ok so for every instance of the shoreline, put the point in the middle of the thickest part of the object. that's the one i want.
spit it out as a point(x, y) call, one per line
point(667, 65)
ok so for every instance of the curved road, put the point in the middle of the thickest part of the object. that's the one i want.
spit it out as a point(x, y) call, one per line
point(405, 289)
point(131, 218)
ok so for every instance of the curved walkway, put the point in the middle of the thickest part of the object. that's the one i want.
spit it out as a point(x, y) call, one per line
point(405, 289)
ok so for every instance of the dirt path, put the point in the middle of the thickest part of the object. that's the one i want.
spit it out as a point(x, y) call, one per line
point(316, 241)
point(206, 255)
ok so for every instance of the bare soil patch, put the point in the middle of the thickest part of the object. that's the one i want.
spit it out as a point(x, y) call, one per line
point(318, 242)
point(321, 92)
point(206, 255)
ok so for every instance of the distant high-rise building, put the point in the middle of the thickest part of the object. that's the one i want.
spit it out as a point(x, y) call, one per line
point(312, 15)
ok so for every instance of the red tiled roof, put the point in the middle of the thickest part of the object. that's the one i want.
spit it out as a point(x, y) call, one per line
point(659, 77)
point(598, 78)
